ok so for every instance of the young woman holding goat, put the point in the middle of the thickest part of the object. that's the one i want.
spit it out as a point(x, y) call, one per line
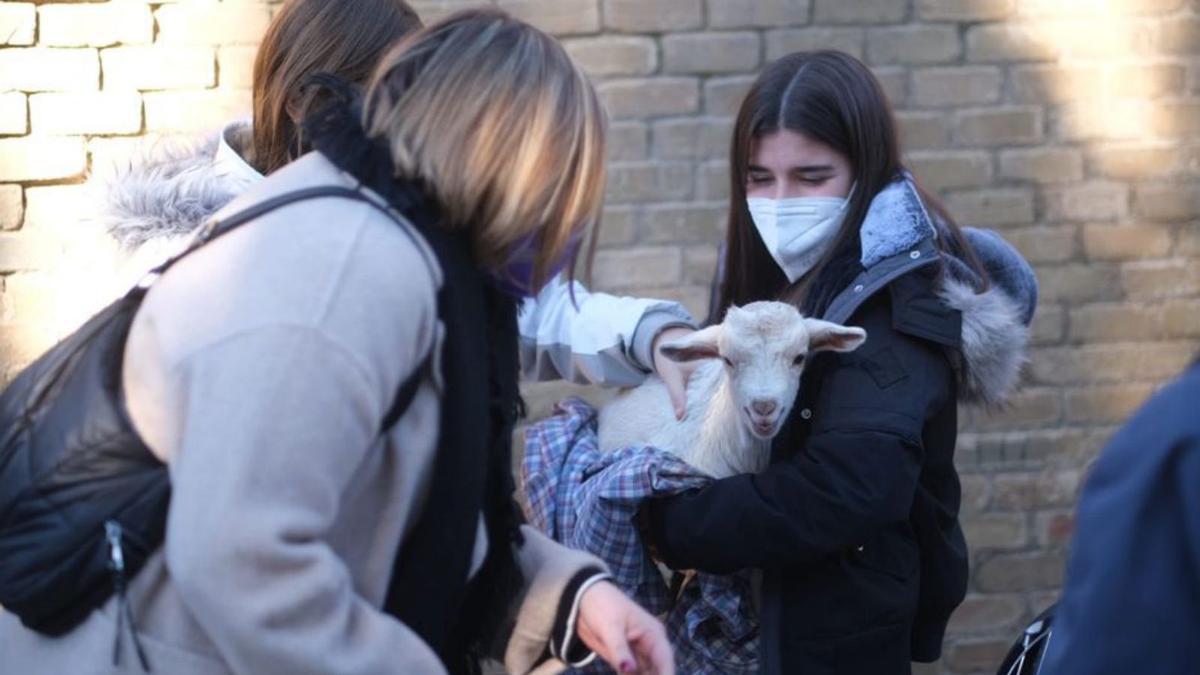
point(854, 522)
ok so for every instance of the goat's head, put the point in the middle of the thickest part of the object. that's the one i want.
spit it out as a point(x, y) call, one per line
point(764, 346)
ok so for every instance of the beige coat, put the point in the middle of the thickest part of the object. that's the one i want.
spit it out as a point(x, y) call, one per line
point(259, 368)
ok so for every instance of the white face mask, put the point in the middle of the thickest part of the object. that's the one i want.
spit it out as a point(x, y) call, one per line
point(797, 231)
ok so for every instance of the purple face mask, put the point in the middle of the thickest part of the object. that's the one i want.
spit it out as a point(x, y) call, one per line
point(516, 276)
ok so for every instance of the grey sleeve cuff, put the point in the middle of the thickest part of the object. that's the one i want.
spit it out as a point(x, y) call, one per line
point(654, 321)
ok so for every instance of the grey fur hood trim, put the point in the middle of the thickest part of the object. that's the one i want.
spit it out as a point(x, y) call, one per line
point(168, 190)
point(995, 341)
point(995, 323)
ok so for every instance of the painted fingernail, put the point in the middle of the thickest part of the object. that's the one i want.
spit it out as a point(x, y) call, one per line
point(627, 666)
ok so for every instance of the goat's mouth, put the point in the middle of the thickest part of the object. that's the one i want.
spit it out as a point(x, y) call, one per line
point(764, 429)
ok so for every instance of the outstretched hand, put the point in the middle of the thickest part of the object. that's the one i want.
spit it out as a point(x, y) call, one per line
point(626, 636)
point(674, 374)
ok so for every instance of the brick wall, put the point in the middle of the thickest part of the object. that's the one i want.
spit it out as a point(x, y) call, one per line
point(1069, 125)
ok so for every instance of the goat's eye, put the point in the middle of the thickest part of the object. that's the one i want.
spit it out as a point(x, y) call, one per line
point(727, 361)
point(799, 360)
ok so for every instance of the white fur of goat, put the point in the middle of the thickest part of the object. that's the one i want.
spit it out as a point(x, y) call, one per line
point(738, 400)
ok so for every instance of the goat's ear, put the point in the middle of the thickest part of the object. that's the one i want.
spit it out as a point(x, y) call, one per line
point(699, 345)
point(826, 336)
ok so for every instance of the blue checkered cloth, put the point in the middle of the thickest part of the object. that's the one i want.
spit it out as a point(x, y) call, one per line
point(587, 500)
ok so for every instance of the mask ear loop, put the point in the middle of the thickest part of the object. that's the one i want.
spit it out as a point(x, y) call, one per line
point(853, 188)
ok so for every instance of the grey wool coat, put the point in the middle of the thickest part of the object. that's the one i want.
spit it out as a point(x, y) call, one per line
point(258, 369)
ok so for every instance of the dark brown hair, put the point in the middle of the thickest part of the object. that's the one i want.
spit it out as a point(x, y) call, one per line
point(833, 98)
point(341, 37)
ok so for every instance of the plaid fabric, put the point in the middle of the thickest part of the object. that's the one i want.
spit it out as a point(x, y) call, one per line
point(587, 500)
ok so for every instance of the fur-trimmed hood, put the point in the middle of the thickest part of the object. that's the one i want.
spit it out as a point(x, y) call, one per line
point(173, 186)
point(995, 322)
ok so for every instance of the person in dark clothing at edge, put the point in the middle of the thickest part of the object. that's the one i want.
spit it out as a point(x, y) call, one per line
point(855, 523)
point(1131, 603)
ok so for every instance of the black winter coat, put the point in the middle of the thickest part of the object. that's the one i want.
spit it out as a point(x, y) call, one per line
point(855, 523)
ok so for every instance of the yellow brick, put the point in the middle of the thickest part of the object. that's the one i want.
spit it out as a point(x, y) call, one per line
point(1042, 165)
point(17, 20)
point(934, 43)
point(858, 11)
point(93, 112)
point(999, 126)
point(614, 54)
point(61, 295)
point(810, 38)
point(1112, 120)
point(1010, 42)
point(640, 16)
point(100, 25)
point(109, 154)
point(725, 52)
point(942, 170)
point(26, 251)
point(431, 11)
point(56, 210)
point(1126, 242)
point(213, 24)
point(641, 267)
point(650, 97)
point(960, 10)
point(195, 110)
point(14, 117)
point(158, 67)
point(723, 95)
point(1106, 405)
point(923, 130)
point(40, 158)
point(12, 207)
point(236, 66)
point(757, 13)
point(557, 17)
point(47, 69)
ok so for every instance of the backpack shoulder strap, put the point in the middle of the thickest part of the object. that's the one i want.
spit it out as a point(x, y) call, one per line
point(216, 228)
point(405, 395)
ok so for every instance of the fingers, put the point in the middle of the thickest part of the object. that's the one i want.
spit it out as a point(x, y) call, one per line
point(620, 655)
point(674, 375)
point(652, 648)
point(626, 636)
point(677, 390)
point(602, 624)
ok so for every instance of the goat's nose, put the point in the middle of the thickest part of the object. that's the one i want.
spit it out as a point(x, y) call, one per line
point(763, 406)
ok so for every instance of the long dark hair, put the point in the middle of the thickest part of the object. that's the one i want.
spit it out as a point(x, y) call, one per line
point(343, 37)
point(833, 98)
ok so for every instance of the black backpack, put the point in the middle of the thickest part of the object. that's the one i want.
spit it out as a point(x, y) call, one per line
point(1026, 655)
point(83, 501)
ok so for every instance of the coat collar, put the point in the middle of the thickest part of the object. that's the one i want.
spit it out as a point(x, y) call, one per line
point(896, 222)
point(173, 186)
point(898, 237)
point(234, 154)
point(988, 331)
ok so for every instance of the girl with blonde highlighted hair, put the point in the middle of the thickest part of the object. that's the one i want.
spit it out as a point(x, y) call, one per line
point(332, 384)
point(512, 147)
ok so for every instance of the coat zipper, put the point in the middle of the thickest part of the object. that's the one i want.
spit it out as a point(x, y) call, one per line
point(116, 564)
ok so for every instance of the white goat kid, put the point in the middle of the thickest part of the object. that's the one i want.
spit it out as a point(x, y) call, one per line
point(737, 402)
